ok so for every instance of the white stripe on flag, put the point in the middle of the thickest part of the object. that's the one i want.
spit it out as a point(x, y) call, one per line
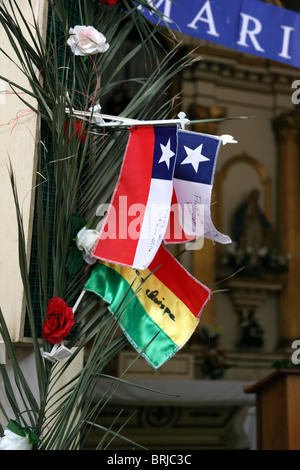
point(155, 222)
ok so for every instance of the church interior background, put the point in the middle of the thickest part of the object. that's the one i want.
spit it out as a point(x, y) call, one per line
point(247, 330)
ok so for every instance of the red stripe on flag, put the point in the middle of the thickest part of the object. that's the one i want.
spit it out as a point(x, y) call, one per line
point(132, 190)
point(173, 275)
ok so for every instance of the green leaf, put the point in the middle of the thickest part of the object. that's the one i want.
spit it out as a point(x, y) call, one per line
point(77, 223)
point(16, 428)
point(32, 437)
point(74, 260)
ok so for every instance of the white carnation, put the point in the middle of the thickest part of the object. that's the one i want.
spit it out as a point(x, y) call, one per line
point(86, 40)
point(12, 441)
point(85, 242)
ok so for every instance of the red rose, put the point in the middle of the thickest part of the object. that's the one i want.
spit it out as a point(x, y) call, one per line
point(108, 2)
point(80, 131)
point(59, 321)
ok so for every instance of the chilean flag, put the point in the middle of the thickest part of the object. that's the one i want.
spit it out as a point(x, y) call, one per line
point(138, 215)
point(193, 182)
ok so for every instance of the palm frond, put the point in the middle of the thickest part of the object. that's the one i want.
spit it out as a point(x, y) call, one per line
point(75, 177)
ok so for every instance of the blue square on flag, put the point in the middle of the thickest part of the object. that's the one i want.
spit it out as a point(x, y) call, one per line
point(165, 149)
point(197, 156)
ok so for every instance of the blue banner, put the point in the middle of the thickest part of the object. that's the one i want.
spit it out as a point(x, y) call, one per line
point(250, 26)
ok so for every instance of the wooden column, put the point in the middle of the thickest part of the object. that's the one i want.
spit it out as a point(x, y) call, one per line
point(204, 260)
point(287, 129)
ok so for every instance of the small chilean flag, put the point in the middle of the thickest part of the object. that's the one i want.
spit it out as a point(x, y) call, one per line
point(138, 216)
point(157, 308)
point(193, 182)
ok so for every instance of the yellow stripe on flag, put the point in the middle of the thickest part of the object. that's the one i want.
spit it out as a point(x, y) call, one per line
point(161, 304)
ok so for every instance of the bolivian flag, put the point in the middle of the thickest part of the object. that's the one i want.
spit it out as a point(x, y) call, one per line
point(164, 307)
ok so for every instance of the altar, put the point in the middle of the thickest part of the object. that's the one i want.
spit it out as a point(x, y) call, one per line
point(178, 414)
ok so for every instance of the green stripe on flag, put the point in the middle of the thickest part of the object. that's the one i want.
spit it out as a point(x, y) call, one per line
point(137, 325)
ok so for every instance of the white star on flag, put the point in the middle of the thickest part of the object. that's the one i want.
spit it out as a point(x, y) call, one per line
point(167, 153)
point(194, 157)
